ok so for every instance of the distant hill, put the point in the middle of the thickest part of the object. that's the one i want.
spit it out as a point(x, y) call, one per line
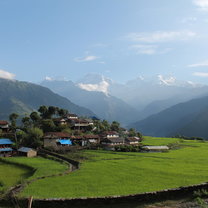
point(188, 118)
point(104, 105)
point(24, 97)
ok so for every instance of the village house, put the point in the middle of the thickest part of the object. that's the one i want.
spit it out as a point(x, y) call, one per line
point(132, 140)
point(27, 152)
point(53, 139)
point(92, 139)
point(71, 116)
point(78, 140)
point(79, 124)
point(109, 134)
point(113, 141)
point(6, 147)
point(4, 126)
point(60, 121)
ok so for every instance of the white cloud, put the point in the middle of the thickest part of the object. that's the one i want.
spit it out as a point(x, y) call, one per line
point(86, 58)
point(6, 75)
point(149, 49)
point(201, 74)
point(202, 64)
point(144, 49)
point(161, 36)
point(189, 20)
point(101, 87)
point(201, 4)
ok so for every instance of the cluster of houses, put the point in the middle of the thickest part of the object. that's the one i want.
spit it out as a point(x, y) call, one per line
point(74, 121)
point(108, 139)
point(6, 149)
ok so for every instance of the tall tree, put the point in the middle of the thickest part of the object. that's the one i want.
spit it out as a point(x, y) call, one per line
point(13, 119)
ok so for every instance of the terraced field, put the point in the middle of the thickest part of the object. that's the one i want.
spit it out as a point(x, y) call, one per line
point(105, 173)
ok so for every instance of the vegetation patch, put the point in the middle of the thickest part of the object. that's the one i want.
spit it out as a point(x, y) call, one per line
point(105, 173)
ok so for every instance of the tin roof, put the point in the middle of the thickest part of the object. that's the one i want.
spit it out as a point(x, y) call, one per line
point(5, 141)
point(65, 141)
point(24, 149)
point(5, 149)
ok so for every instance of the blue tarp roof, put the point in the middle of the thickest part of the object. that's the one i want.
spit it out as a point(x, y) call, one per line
point(24, 149)
point(5, 141)
point(65, 141)
point(5, 149)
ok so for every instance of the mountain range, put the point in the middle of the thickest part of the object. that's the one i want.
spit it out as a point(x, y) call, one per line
point(189, 118)
point(24, 97)
point(104, 105)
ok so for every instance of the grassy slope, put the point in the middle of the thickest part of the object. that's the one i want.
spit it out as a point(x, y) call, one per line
point(109, 173)
point(43, 166)
point(11, 174)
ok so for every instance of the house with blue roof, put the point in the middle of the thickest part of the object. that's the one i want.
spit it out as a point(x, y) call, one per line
point(6, 147)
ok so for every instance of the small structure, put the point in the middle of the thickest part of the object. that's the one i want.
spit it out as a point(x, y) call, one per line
point(4, 126)
point(92, 139)
point(113, 141)
point(6, 147)
point(132, 140)
point(60, 121)
point(155, 148)
point(51, 139)
point(27, 152)
point(110, 134)
point(71, 116)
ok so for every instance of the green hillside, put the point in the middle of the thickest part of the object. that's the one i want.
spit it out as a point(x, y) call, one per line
point(23, 97)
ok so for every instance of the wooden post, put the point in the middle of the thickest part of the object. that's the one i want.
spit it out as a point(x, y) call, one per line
point(30, 202)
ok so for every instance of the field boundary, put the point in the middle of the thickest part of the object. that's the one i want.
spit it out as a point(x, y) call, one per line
point(147, 197)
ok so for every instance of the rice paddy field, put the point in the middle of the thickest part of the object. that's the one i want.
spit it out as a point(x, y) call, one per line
point(19, 169)
point(107, 173)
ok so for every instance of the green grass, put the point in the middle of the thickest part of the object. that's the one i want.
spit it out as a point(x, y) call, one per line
point(19, 169)
point(107, 173)
point(42, 166)
point(11, 175)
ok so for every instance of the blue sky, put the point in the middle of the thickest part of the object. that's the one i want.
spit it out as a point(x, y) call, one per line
point(121, 39)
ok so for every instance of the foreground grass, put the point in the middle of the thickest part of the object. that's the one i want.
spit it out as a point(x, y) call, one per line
point(11, 175)
point(108, 173)
point(15, 170)
point(40, 165)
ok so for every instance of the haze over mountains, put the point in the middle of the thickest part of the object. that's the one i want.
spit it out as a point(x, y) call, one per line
point(158, 106)
point(23, 97)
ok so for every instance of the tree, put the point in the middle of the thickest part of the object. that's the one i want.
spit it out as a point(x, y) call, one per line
point(132, 132)
point(34, 117)
point(51, 111)
point(62, 112)
point(34, 137)
point(13, 118)
point(43, 111)
point(47, 125)
point(26, 121)
point(115, 126)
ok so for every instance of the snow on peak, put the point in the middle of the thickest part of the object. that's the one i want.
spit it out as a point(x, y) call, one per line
point(166, 81)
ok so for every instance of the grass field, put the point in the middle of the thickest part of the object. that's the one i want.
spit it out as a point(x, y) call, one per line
point(11, 174)
point(107, 173)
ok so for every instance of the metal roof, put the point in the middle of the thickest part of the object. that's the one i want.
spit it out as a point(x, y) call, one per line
point(24, 149)
point(5, 149)
point(65, 141)
point(156, 147)
point(5, 141)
